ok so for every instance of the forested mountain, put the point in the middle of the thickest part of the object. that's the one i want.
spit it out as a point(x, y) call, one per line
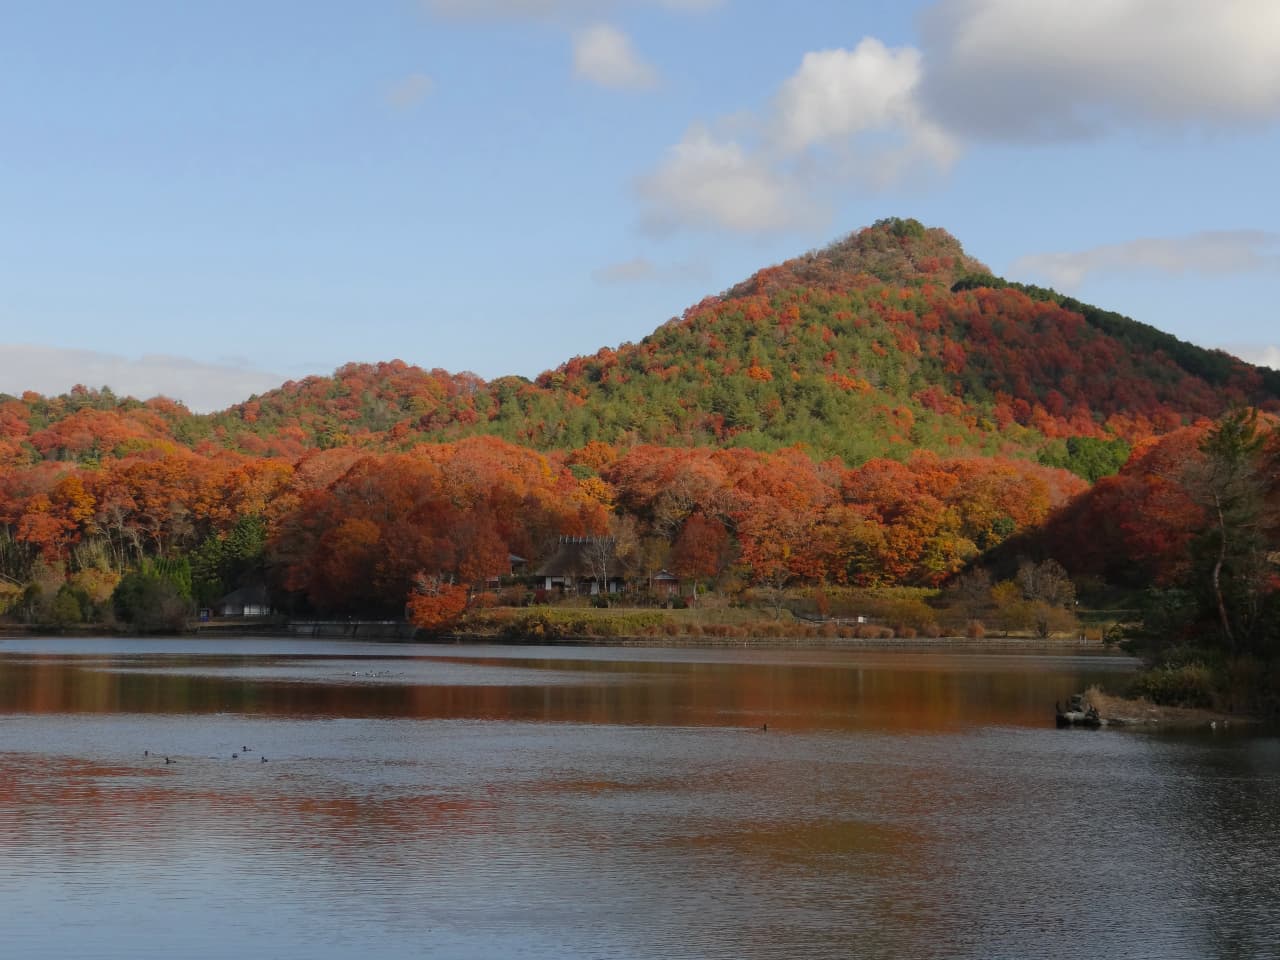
point(882, 412)
point(889, 341)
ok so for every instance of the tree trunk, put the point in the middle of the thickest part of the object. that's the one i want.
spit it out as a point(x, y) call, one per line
point(1217, 576)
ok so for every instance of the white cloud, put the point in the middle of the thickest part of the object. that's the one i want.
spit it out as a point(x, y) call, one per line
point(1257, 354)
point(603, 55)
point(1048, 69)
point(844, 116)
point(410, 91)
point(1209, 252)
point(837, 93)
point(861, 103)
point(704, 181)
point(201, 386)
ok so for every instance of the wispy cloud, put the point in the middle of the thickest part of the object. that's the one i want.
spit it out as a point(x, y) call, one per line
point(644, 270)
point(410, 91)
point(706, 181)
point(545, 9)
point(636, 270)
point(1209, 252)
point(201, 386)
point(603, 55)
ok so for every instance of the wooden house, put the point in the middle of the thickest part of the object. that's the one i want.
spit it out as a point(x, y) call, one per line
point(515, 568)
point(250, 601)
point(581, 565)
point(665, 584)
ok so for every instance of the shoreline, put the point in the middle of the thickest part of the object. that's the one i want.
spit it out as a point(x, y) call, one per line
point(784, 643)
point(395, 631)
point(1117, 711)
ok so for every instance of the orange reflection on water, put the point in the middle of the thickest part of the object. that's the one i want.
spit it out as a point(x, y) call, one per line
point(893, 691)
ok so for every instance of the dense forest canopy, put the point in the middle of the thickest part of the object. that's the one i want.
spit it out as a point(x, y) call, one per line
point(882, 411)
point(887, 342)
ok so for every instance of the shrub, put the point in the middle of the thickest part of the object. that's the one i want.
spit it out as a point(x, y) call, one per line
point(514, 596)
point(10, 595)
point(975, 630)
point(66, 608)
point(95, 585)
point(1049, 619)
point(435, 604)
point(1185, 685)
point(150, 601)
point(907, 611)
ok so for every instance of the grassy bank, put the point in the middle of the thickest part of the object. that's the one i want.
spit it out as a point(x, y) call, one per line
point(1208, 680)
point(1138, 710)
point(698, 624)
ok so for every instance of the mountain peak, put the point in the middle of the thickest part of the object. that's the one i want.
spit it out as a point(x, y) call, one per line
point(891, 250)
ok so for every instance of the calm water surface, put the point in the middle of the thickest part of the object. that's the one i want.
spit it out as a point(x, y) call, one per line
point(491, 802)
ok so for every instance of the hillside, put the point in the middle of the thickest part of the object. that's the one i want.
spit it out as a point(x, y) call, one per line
point(888, 341)
point(881, 413)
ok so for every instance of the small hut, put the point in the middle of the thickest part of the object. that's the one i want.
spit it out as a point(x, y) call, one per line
point(246, 602)
point(665, 584)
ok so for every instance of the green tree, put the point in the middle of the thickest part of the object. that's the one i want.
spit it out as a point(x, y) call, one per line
point(226, 561)
point(1087, 457)
point(1229, 485)
point(66, 608)
point(154, 598)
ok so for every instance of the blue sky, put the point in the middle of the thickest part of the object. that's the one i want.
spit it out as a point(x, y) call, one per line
point(204, 200)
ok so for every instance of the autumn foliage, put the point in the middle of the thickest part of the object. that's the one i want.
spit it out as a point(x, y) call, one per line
point(879, 412)
point(435, 603)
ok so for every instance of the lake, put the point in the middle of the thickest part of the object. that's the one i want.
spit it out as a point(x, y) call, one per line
point(493, 802)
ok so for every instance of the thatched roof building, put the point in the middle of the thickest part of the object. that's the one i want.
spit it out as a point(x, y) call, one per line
point(581, 565)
